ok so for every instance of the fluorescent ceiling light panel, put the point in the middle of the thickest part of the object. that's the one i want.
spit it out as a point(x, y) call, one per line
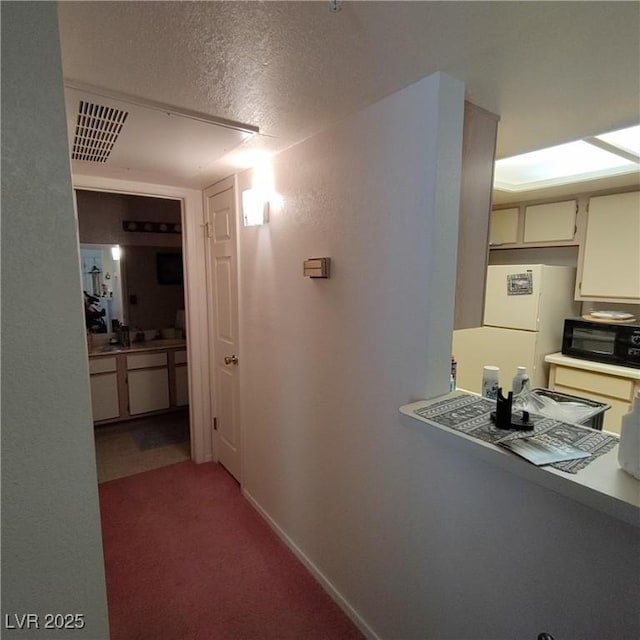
point(572, 162)
point(627, 139)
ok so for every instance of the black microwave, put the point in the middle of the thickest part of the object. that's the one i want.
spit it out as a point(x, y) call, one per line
point(613, 343)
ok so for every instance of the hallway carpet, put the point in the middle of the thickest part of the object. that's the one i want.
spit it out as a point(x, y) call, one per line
point(187, 558)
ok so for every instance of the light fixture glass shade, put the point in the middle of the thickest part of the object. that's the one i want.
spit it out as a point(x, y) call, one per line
point(254, 208)
point(115, 252)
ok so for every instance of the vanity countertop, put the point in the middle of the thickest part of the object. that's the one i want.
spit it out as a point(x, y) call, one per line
point(148, 345)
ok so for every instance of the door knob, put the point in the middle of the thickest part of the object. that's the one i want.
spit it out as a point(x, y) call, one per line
point(231, 359)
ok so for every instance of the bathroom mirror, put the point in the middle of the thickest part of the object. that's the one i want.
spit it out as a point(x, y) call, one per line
point(140, 286)
point(102, 286)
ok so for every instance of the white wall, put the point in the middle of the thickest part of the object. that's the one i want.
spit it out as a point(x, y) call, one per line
point(100, 218)
point(51, 542)
point(420, 540)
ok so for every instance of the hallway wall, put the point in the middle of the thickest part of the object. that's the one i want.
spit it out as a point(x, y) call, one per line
point(328, 362)
point(51, 540)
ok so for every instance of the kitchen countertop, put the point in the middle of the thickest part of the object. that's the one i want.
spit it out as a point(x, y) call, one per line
point(602, 485)
point(590, 365)
point(150, 345)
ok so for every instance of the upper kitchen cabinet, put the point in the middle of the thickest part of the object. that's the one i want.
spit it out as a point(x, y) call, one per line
point(551, 222)
point(548, 224)
point(504, 226)
point(609, 256)
point(478, 157)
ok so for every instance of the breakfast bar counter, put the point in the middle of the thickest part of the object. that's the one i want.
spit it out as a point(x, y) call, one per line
point(601, 485)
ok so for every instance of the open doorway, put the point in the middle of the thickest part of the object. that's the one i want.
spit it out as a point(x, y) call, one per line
point(131, 252)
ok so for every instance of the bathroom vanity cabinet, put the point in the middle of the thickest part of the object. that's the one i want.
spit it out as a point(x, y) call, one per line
point(148, 377)
point(104, 388)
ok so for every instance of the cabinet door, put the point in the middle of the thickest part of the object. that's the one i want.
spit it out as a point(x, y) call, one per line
point(148, 390)
point(615, 391)
point(182, 385)
point(145, 360)
point(102, 365)
point(104, 396)
point(612, 386)
point(610, 256)
point(504, 226)
point(551, 222)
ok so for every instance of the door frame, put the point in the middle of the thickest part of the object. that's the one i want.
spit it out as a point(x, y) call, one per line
point(216, 188)
point(196, 312)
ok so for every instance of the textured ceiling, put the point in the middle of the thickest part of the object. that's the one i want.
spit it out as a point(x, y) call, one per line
point(553, 71)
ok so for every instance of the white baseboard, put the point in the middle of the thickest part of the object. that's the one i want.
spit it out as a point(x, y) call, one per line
point(207, 458)
point(326, 584)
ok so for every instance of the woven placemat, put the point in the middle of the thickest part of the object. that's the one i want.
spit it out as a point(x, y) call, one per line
point(471, 415)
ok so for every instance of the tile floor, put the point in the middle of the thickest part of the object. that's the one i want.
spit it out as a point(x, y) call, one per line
point(118, 456)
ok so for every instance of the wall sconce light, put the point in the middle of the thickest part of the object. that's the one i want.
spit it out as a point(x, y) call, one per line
point(115, 252)
point(255, 210)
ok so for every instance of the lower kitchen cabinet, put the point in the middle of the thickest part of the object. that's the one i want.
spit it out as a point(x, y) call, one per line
point(613, 385)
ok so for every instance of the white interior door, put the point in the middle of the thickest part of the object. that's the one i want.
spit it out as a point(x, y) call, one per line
point(223, 271)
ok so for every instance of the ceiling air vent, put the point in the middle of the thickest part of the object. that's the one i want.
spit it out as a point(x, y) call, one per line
point(97, 129)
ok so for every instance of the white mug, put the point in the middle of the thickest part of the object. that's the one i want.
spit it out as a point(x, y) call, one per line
point(490, 381)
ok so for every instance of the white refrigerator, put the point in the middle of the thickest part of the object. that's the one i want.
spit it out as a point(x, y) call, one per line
point(525, 308)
